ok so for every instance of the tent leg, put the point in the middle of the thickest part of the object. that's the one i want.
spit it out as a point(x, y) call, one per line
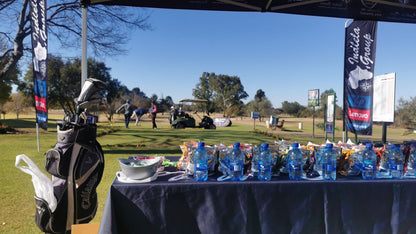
point(84, 46)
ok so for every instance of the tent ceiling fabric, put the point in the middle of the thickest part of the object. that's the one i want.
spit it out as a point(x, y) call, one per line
point(403, 11)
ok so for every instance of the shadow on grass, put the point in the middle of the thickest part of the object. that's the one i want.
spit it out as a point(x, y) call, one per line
point(26, 123)
point(289, 130)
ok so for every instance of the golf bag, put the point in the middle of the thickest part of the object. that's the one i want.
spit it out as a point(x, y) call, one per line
point(76, 164)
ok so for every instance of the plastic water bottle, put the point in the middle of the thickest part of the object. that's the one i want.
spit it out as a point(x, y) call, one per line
point(383, 167)
point(319, 153)
point(236, 163)
point(396, 162)
point(295, 160)
point(329, 163)
point(265, 163)
point(201, 163)
point(411, 166)
point(254, 161)
point(369, 163)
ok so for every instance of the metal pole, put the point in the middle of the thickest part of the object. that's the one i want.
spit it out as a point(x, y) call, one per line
point(384, 135)
point(344, 130)
point(37, 136)
point(333, 120)
point(313, 123)
point(325, 122)
point(84, 46)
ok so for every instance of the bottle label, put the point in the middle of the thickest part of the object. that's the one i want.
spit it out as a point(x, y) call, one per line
point(397, 167)
point(330, 167)
point(368, 167)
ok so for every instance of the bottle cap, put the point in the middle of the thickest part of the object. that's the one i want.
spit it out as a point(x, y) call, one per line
point(265, 145)
point(369, 145)
point(295, 145)
point(236, 145)
point(329, 145)
point(201, 144)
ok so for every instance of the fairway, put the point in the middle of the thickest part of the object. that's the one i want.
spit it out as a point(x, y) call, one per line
point(16, 196)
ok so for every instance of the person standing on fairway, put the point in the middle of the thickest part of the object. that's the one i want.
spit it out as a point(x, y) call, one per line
point(153, 111)
point(128, 109)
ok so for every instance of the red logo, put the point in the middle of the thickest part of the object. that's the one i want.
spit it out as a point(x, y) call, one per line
point(361, 115)
point(40, 104)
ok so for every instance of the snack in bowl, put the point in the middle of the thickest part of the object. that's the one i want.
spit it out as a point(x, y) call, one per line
point(140, 167)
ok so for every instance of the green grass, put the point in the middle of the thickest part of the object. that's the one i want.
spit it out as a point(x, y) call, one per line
point(16, 194)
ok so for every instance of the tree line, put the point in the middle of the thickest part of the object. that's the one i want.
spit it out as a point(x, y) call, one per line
point(224, 94)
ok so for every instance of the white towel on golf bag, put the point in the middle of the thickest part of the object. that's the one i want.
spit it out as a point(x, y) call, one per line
point(41, 182)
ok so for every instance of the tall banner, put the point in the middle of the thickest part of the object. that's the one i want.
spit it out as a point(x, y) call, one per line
point(40, 55)
point(313, 97)
point(359, 61)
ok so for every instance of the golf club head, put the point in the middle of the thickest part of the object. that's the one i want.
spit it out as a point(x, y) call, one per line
point(84, 105)
point(89, 90)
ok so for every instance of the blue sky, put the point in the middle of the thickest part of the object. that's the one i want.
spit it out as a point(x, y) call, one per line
point(284, 55)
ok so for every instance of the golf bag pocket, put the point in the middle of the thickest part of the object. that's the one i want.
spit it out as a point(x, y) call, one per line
point(57, 162)
point(43, 215)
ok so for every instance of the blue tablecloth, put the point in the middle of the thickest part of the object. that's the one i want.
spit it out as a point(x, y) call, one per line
point(279, 206)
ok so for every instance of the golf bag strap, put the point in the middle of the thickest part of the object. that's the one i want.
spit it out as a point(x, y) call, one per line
point(71, 199)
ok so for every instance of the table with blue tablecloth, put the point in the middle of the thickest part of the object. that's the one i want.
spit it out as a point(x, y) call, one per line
point(347, 205)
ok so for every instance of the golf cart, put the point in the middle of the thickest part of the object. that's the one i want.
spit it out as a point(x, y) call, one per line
point(180, 119)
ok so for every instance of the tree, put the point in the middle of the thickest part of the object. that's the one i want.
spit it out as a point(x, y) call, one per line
point(292, 108)
point(65, 83)
point(114, 92)
point(260, 95)
point(227, 91)
point(405, 113)
point(204, 91)
point(7, 81)
point(16, 104)
point(260, 104)
point(108, 29)
point(165, 104)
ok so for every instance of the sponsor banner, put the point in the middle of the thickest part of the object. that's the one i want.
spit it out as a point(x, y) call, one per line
point(329, 128)
point(359, 101)
point(40, 104)
point(358, 126)
point(360, 115)
point(313, 97)
point(359, 61)
point(330, 108)
point(40, 55)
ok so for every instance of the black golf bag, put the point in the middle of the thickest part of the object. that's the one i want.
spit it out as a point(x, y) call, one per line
point(76, 164)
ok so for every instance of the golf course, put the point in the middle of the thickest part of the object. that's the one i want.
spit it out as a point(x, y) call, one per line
point(16, 195)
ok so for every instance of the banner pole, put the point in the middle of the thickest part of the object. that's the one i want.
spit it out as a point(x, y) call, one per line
point(333, 120)
point(84, 66)
point(37, 136)
point(344, 129)
point(313, 123)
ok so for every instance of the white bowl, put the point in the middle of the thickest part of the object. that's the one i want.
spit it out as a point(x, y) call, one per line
point(139, 169)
